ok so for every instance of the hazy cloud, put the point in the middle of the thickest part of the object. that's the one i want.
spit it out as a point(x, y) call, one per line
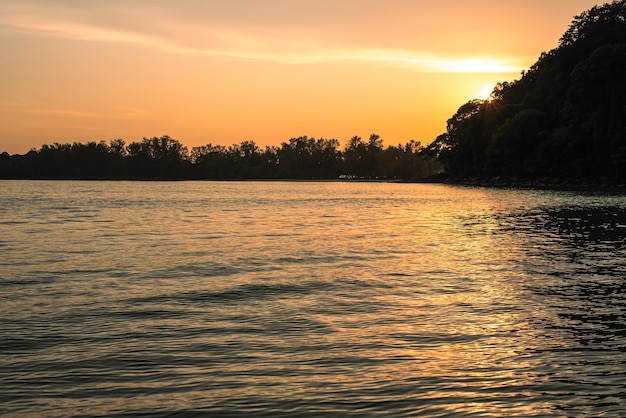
point(271, 30)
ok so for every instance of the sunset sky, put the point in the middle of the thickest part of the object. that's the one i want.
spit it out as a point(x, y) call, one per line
point(224, 71)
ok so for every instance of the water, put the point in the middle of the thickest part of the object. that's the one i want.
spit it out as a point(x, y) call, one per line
point(310, 299)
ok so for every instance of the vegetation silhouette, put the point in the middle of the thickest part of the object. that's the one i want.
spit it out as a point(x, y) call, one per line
point(565, 118)
point(164, 158)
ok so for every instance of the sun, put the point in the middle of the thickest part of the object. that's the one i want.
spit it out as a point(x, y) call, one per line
point(485, 93)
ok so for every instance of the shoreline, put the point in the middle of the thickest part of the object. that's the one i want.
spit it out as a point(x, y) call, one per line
point(538, 184)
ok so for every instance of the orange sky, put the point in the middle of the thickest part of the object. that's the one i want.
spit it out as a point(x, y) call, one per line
point(216, 71)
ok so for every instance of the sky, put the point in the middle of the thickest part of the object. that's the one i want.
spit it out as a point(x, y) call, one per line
point(226, 71)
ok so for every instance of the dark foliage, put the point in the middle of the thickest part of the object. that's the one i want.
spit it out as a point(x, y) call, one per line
point(565, 118)
point(165, 158)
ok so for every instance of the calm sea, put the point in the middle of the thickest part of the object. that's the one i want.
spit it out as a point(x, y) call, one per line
point(310, 299)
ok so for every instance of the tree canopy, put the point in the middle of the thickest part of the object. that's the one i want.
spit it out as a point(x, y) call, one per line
point(166, 158)
point(565, 118)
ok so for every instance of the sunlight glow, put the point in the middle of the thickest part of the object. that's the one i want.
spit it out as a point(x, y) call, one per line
point(245, 46)
point(426, 62)
point(477, 65)
point(195, 70)
point(485, 92)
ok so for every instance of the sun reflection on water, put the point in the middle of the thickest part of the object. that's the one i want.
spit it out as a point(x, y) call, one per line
point(313, 299)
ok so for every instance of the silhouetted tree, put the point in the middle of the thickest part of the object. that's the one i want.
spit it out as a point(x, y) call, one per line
point(565, 117)
point(163, 157)
point(355, 158)
point(167, 159)
point(305, 157)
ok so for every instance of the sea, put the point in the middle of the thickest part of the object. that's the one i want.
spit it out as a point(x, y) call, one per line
point(307, 299)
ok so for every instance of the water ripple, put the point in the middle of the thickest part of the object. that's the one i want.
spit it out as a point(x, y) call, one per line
point(310, 299)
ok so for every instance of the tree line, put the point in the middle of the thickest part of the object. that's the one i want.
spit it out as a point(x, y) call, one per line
point(167, 159)
point(565, 118)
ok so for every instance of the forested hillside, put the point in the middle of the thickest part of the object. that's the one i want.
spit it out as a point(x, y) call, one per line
point(565, 118)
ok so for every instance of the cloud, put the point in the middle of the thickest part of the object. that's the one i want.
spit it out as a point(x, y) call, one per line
point(25, 105)
point(71, 113)
point(428, 62)
point(175, 31)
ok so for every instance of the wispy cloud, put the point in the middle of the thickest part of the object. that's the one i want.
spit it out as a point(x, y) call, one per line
point(35, 25)
point(72, 113)
point(213, 40)
point(428, 62)
point(27, 106)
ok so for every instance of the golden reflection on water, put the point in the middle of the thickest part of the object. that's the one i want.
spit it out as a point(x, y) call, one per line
point(470, 330)
point(476, 309)
point(315, 297)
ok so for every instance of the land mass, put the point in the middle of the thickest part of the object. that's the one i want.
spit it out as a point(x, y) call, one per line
point(165, 158)
point(564, 119)
point(562, 122)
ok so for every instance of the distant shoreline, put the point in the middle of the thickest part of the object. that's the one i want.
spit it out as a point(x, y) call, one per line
point(498, 183)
